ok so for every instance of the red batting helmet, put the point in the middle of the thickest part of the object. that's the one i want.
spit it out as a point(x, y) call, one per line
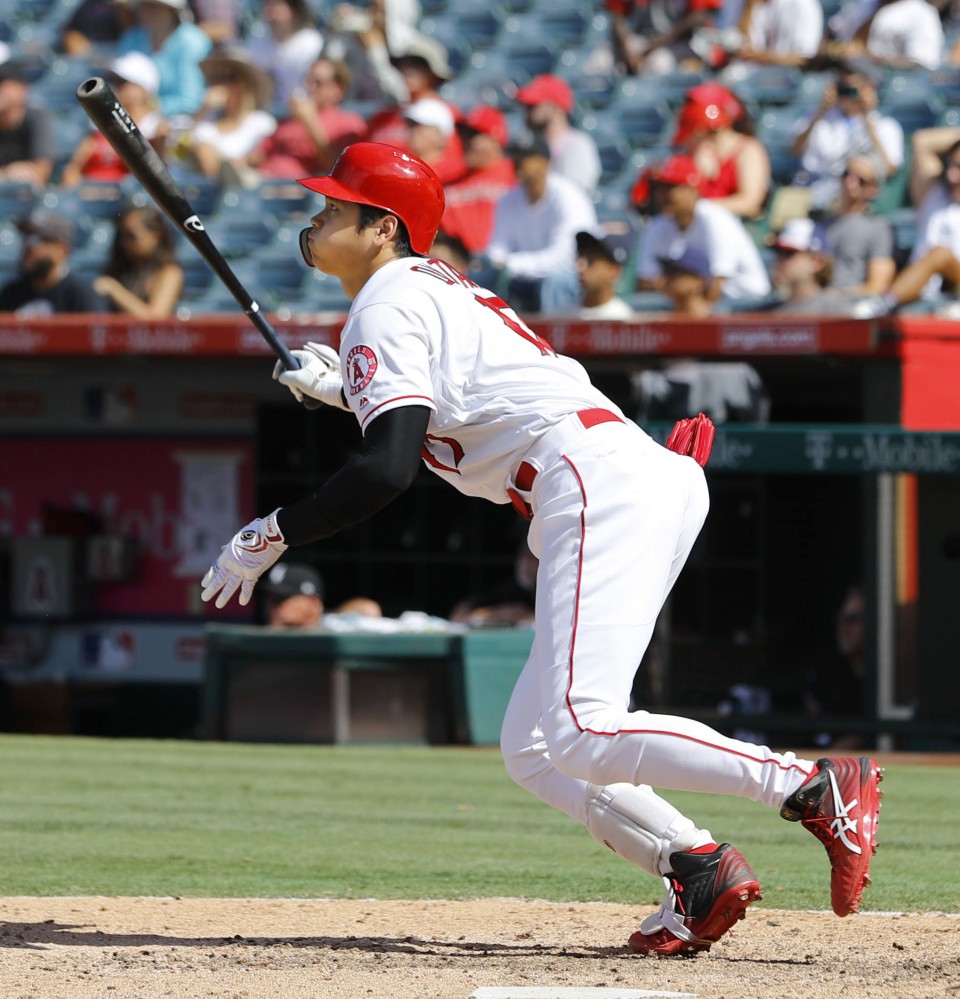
point(373, 173)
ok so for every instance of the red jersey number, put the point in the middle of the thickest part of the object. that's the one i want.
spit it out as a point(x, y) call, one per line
point(500, 307)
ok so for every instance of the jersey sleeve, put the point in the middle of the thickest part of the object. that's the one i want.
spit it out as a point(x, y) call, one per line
point(386, 361)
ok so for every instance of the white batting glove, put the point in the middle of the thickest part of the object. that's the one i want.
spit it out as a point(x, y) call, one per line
point(243, 560)
point(318, 376)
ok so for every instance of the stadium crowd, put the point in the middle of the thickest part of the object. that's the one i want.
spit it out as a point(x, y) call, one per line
point(599, 158)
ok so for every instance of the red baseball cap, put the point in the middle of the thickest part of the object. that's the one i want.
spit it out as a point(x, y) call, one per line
point(489, 121)
point(677, 170)
point(547, 88)
point(696, 118)
point(711, 92)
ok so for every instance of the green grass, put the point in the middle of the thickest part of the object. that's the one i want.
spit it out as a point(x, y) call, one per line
point(91, 816)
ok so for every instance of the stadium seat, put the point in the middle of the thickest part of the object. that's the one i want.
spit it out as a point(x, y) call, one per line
point(612, 145)
point(564, 21)
point(477, 24)
point(642, 122)
point(526, 47)
point(649, 301)
point(10, 246)
point(458, 44)
point(57, 88)
point(238, 235)
point(613, 203)
point(16, 199)
point(945, 84)
point(914, 113)
point(70, 128)
point(281, 199)
point(905, 87)
point(202, 192)
point(320, 293)
point(197, 275)
point(593, 91)
point(903, 221)
point(776, 127)
point(491, 80)
point(88, 201)
point(668, 89)
point(772, 85)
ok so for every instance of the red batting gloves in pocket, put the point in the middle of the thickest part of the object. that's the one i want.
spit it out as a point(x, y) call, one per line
point(693, 437)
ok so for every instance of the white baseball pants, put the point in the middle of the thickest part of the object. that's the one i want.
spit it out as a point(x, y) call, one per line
point(615, 516)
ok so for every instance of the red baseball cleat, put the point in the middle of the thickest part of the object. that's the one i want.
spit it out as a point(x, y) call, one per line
point(840, 804)
point(706, 894)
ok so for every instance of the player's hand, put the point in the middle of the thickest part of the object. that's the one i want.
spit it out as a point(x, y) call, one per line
point(243, 560)
point(318, 376)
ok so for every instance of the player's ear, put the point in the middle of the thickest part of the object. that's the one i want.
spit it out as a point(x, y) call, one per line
point(388, 228)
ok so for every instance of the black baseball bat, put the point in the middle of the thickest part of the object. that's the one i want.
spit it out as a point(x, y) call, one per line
point(104, 109)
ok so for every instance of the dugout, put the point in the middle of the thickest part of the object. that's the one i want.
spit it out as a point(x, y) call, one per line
point(133, 449)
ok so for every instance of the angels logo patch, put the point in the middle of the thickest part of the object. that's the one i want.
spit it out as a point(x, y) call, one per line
point(361, 367)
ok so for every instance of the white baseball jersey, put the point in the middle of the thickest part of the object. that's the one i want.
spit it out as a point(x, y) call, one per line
point(420, 333)
point(613, 516)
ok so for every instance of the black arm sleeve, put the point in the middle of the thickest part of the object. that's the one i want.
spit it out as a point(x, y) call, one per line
point(383, 468)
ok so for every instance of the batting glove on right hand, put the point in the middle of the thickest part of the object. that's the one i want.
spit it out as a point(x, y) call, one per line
point(318, 376)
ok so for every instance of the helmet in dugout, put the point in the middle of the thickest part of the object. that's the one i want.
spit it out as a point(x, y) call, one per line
point(374, 173)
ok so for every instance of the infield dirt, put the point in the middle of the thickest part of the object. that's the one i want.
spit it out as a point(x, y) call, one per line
point(148, 948)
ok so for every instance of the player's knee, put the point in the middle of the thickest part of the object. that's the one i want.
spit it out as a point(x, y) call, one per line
point(572, 752)
point(517, 758)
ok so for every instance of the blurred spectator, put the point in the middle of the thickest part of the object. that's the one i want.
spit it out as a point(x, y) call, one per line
point(861, 244)
point(45, 285)
point(94, 26)
point(451, 250)
point(292, 593)
point(776, 33)
point(142, 278)
point(846, 122)
point(684, 218)
point(508, 605)
point(318, 129)
point(27, 139)
point(935, 261)
point(658, 36)
point(369, 42)
point(548, 103)
point(286, 47)
point(472, 200)
point(687, 279)
point(803, 271)
point(602, 255)
point(931, 151)
point(233, 122)
point(430, 126)
point(894, 34)
point(397, 19)
point(135, 79)
point(164, 29)
point(727, 391)
point(837, 685)
point(423, 64)
point(734, 167)
point(534, 231)
point(220, 20)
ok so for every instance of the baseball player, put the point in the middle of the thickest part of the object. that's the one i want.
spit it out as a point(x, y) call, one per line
point(439, 370)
